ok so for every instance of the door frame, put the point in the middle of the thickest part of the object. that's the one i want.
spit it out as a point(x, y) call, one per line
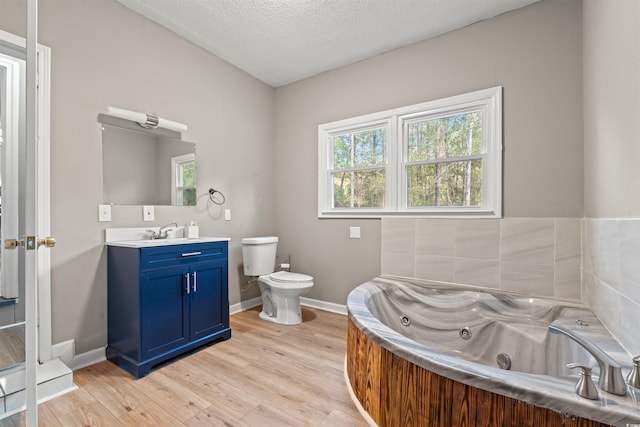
point(43, 189)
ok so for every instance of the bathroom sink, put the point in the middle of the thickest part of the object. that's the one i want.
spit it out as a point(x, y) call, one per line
point(163, 242)
point(148, 243)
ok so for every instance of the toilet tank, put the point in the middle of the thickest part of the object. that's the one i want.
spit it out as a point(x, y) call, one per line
point(259, 255)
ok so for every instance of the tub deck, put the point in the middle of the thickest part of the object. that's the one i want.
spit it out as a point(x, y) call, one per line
point(399, 381)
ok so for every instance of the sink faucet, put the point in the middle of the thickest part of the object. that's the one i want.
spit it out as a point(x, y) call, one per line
point(162, 232)
point(611, 379)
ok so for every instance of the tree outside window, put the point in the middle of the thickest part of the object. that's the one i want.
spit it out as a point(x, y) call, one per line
point(184, 180)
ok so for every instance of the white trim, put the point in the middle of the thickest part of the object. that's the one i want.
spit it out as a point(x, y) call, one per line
point(64, 351)
point(88, 358)
point(176, 163)
point(44, 201)
point(37, 267)
point(324, 305)
point(9, 275)
point(31, 264)
point(43, 189)
point(489, 101)
point(98, 355)
point(244, 305)
point(355, 399)
point(308, 302)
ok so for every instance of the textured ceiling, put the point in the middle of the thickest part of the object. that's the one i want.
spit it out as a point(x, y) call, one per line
point(282, 41)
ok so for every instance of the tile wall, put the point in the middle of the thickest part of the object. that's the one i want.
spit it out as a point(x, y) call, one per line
point(541, 256)
point(611, 276)
point(595, 261)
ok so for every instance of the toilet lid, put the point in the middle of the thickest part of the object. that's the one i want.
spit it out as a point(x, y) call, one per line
point(285, 276)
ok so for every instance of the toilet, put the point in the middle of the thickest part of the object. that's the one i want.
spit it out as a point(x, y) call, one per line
point(280, 290)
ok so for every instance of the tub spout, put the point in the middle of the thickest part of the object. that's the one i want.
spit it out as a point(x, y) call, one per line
point(611, 379)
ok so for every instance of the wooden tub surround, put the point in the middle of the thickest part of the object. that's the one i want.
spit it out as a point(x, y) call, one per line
point(396, 392)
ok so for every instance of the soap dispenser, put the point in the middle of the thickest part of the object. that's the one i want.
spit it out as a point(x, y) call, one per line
point(585, 387)
point(192, 230)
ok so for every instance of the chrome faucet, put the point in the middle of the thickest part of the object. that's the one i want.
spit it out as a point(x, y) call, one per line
point(634, 376)
point(611, 379)
point(162, 232)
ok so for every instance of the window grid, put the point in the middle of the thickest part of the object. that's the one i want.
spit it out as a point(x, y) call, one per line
point(486, 158)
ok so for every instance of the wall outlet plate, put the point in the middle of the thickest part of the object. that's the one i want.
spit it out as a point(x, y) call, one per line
point(148, 214)
point(227, 214)
point(354, 232)
point(104, 213)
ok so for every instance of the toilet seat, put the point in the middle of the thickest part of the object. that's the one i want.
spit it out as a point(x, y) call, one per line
point(288, 277)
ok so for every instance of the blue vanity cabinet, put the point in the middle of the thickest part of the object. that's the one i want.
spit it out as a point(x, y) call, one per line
point(164, 301)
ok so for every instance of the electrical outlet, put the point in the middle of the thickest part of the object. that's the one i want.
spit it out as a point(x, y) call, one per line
point(227, 214)
point(104, 213)
point(148, 213)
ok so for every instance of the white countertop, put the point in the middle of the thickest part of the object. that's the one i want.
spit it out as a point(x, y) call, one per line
point(148, 243)
point(139, 238)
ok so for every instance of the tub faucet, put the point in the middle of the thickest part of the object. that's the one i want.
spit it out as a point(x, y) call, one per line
point(162, 232)
point(611, 379)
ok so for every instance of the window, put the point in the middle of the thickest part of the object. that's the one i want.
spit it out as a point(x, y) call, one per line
point(183, 171)
point(359, 171)
point(440, 157)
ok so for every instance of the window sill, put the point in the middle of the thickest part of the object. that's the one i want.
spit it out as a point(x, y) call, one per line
point(416, 214)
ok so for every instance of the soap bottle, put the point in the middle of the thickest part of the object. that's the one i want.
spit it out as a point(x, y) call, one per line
point(192, 230)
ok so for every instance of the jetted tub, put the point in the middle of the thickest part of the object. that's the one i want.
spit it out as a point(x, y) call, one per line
point(427, 353)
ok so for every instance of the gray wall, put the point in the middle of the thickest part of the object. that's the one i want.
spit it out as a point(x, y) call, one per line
point(105, 55)
point(611, 240)
point(611, 108)
point(259, 145)
point(534, 53)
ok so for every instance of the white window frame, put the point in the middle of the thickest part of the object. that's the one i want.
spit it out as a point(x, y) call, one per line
point(488, 101)
point(176, 165)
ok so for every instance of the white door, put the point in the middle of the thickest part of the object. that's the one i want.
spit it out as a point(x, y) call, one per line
point(25, 134)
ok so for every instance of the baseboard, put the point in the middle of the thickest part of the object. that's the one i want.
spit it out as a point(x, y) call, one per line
point(355, 399)
point(99, 354)
point(308, 302)
point(324, 305)
point(89, 358)
point(64, 351)
point(245, 305)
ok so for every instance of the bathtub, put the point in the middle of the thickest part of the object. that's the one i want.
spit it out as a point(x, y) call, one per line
point(428, 353)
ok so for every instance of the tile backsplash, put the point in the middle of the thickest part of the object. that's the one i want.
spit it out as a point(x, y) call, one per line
point(594, 261)
point(611, 276)
point(529, 255)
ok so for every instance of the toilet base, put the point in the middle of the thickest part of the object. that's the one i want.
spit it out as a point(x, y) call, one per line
point(288, 312)
point(283, 320)
point(281, 303)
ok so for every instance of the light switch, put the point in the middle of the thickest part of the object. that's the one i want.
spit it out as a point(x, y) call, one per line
point(148, 213)
point(227, 214)
point(354, 232)
point(104, 213)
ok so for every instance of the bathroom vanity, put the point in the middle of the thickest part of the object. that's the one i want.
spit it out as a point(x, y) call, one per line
point(164, 299)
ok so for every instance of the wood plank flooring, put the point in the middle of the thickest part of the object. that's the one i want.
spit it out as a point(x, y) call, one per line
point(12, 348)
point(265, 375)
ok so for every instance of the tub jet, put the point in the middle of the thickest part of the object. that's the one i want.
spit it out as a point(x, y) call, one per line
point(504, 361)
point(465, 333)
point(404, 319)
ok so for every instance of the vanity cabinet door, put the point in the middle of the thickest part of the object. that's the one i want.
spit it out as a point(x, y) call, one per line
point(164, 304)
point(164, 301)
point(209, 301)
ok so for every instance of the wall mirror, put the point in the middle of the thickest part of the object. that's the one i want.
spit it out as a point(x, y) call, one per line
point(146, 166)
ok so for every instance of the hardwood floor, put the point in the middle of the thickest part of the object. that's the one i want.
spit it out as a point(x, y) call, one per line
point(12, 348)
point(265, 375)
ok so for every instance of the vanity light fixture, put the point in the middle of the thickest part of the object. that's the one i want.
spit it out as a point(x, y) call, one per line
point(145, 120)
